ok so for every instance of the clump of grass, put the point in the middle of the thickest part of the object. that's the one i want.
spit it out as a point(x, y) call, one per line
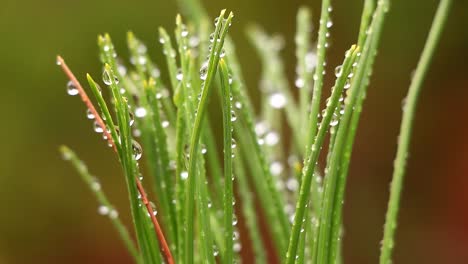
point(193, 217)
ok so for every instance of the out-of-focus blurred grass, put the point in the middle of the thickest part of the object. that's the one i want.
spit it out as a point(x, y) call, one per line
point(49, 216)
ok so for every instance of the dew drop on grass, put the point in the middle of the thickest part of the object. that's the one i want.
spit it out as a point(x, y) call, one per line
point(277, 100)
point(131, 121)
point(233, 116)
point(137, 150)
point(271, 138)
point(347, 85)
point(140, 112)
point(179, 75)
point(299, 82)
point(97, 127)
point(95, 185)
point(184, 32)
point(184, 175)
point(113, 214)
point(162, 40)
point(237, 247)
point(234, 220)
point(71, 88)
point(165, 124)
point(329, 24)
point(233, 144)
point(89, 114)
point(103, 210)
point(276, 168)
point(338, 70)
point(204, 71)
point(106, 78)
point(292, 184)
point(260, 128)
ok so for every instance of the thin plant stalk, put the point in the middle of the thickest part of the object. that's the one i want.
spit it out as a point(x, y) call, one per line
point(407, 127)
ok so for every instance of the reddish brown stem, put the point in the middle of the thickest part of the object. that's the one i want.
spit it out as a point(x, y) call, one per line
point(159, 233)
point(86, 100)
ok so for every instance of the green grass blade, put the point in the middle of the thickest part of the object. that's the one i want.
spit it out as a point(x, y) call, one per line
point(145, 235)
point(305, 66)
point(165, 177)
point(406, 128)
point(228, 176)
point(274, 78)
point(314, 154)
point(325, 24)
point(105, 206)
point(337, 184)
point(220, 32)
point(249, 211)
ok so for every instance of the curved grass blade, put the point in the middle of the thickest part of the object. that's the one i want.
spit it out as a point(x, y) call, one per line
point(95, 187)
point(406, 128)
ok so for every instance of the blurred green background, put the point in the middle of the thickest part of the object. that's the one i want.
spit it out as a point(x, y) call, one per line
point(49, 216)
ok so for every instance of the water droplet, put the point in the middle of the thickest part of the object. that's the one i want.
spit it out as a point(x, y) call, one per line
point(184, 32)
point(113, 214)
point(233, 143)
point(233, 116)
point(216, 21)
point(338, 70)
point(71, 88)
point(106, 78)
point(137, 150)
point(271, 138)
point(131, 121)
point(329, 24)
point(292, 184)
point(204, 70)
point(89, 114)
point(179, 75)
point(184, 175)
point(237, 247)
point(299, 82)
point(97, 127)
point(165, 123)
point(276, 168)
point(261, 128)
point(277, 100)
point(162, 40)
point(140, 112)
point(222, 53)
point(103, 210)
point(347, 85)
point(95, 185)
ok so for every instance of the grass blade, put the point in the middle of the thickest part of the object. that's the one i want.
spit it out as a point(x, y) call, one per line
point(314, 154)
point(228, 176)
point(108, 208)
point(220, 32)
point(406, 128)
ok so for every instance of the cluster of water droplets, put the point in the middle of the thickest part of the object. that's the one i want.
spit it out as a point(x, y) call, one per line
point(108, 211)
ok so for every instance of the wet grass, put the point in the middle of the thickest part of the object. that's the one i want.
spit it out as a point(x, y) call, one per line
point(165, 126)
